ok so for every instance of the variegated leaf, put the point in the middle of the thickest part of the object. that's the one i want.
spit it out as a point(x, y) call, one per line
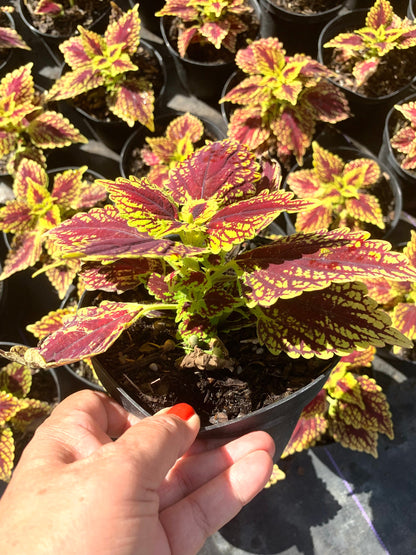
point(246, 127)
point(362, 71)
point(28, 172)
point(20, 84)
point(328, 103)
point(119, 276)
point(307, 432)
point(365, 208)
point(50, 322)
point(185, 125)
point(319, 217)
point(74, 53)
point(89, 195)
point(25, 252)
point(48, 7)
point(53, 130)
point(404, 319)
point(337, 320)
point(9, 406)
point(385, 291)
point(90, 332)
point(251, 90)
point(360, 359)
point(159, 288)
point(75, 82)
point(215, 31)
point(7, 142)
point(67, 186)
point(265, 55)
point(10, 38)
point(293, 132)
point(102, 234)
point(62, 276)
point(15, 217)
point(184, 10)
point(238, 222)
point(321, 258)
point(185, 38)
point(125, 31)
point(347, 390)
point(327, 165)
point(16, 379)
point(349, 41)
point(229, 173)
point(380, 14)
point(410, 249)
point(32, 412)
point(304, 183)
point(352, 438)
point(6, 454)
point(133, 100)
point(362, 172)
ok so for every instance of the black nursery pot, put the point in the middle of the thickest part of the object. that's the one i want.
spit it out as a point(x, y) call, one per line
point(52, 41)
point(138, 138)
point(299, 32)
point(392, 196)
point(147, 10)
point(406, 178)
point(114, 133)
point(366, 124)
point(411, 10)
point(278, 419)
point(7, 53)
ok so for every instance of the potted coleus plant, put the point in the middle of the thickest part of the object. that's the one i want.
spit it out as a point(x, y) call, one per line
point(282, 99)
point(189, 302)
point(25, 401)
point(349, 189)
point(398, 149)
point(113, 78)
point(372, 54)
point(39, 206)
point(9, 37)
point(203, 37)
point(351, 409)
point(28, 127)
point(176, 137)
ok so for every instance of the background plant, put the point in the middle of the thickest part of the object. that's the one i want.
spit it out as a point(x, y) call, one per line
point(27, 126)
point(404, 140)
point(351, 409)
point(18, 412)
point(365, 48)
point(340, 191)
point(107, 61)
point(35, 209)
point(164, 153)
point(182, 242)
point(203, 21)
point(9, 37)
point(283, 99)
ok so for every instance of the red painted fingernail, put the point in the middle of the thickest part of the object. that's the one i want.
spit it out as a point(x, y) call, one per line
point(183, 410)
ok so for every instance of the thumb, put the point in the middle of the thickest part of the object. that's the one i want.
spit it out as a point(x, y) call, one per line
point(157, 442)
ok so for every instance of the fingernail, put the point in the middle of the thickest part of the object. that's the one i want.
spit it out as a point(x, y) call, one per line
point(183, 410)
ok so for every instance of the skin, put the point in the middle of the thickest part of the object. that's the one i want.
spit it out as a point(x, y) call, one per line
point(152, 490)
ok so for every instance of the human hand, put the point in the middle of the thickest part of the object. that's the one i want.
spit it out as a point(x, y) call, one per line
point(153, 490)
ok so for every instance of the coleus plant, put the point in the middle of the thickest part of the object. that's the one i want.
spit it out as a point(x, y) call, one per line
point(404, 139)
point(206, 22)
point(340, 191)
point(9, 37)
point(36, 209)
point(398, 299)
point(351, 409)
point(106, 62)
point(27, 126)
point(366, 47)
point(188, 244)
point(163, 153)
point(283, 98)
point(18, 411)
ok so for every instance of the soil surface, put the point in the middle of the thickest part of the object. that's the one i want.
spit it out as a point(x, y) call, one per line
point(306, 6)
point(151, 366)
point(94, 102)
point(84, 12)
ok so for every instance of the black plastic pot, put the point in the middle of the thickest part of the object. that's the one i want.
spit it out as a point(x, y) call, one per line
point(298, 32)
point(406, 178)
point(205, 80)
point(278, 419)
point(52, 42)
point(411, 10)
point(147, 10)
point(138, 137)
point(394, 194)
point(369, 113)
point(114, 133)
point(8, 56)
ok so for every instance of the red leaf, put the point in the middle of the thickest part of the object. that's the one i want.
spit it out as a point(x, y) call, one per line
point(133, 100)
point(125, 31)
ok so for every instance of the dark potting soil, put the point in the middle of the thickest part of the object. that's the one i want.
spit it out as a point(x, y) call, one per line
point(396, 70)
point(84, 13)
point(149, 363)
point(306, 6)
point(94, 102)
point(206, 52)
